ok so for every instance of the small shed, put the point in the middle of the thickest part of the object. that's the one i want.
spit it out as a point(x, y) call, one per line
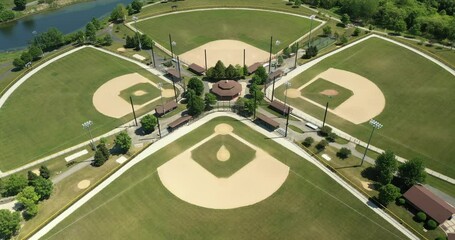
point(254, 67)
point(428, 202)
point(168, 107)
point(174, 74)
point(280, 107)
point(226, 89)
point(278, 73)
point(196, 69)
point(179, 122)
point(268, 121)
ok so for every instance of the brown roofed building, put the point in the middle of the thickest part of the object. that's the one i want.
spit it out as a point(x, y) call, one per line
point(451, 236)
point(432, 205)
point(169, 106)
point(276, 74)
point(270, 122)
point(254, 67)
point(179, 122)
point(175, 76)
point(196, 69)
point(226, 89)
point(280, 107)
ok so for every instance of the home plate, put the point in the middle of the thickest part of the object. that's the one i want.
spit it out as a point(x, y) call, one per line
point(326, 157)
point(121, 159)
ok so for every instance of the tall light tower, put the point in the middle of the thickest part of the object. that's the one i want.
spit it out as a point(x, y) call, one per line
point(311, 27)
point(277, 42)
point(288, 84)
point(137, 34)
point(87, 126)
point(376, 125)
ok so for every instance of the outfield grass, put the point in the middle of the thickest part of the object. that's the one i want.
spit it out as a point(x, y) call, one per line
point(240, 155)
point(313, 92)
point(308, 206)
point(193, 29)
point(45, 113)
point(418, 117)
point(150, 93)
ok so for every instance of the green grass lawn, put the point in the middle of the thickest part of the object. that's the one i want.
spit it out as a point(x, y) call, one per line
point(296, 129)
point(206, 155)
point(309, 205)
point(150, 93)
point(313, 92)
point(418, 117)
point(192, 29)
point(45, 113)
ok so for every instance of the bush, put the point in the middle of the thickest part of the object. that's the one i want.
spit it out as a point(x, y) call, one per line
point(431, 225)
point(401, 201)
point(324, 131)
point(420, 217)
point(331, 137)
point(148, 123)
point(343, 153)
point(441, 238)
point(321, 145)
point(308, 141)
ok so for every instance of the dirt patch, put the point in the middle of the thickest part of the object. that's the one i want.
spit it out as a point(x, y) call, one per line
point(36, 171)
point(107, 101)
point(292, 93)
point(228, 51)
point(223, 129)
point(369, 186)
point(223, 154)
point(121, 50)
point(329, 92)
point(167, 93)
point(139, 93)
point(83, 184)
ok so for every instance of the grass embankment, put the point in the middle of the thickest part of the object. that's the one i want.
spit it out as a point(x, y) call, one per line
point(44, 115)
point(309, 204)
point(193, 29)
point(418, 111)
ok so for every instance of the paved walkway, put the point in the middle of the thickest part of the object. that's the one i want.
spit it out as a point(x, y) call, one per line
point(184, 130)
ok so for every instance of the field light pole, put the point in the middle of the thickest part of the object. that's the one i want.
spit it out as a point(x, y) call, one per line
point(159, 127)
point(277, 42)
point(137, 34)
point(288, 84)
point(170, 44)
point(311, 27)
point(87, 126)
point(296, 51)
point(325, 112)
point(134, 112)
point(376, 125)
point(287, 122)
point(255, 99)
point(153, 54)
point(205, 57)
point(180, 74)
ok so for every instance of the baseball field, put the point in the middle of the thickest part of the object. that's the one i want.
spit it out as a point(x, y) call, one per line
point(307, 205)
point(418, 112)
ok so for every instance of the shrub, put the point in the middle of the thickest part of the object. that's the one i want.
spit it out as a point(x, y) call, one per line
point(401, 201)
point(343, 153)
point(321, 145)
point(441, 238)
point(431, 224)
point(420, 217)
point(324, 131)
point(331, 137)
point(308, 141)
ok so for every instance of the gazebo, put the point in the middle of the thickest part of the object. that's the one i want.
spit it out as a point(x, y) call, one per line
point(226, 89)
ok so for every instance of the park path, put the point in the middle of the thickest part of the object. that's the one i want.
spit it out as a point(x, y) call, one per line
point(186, 129)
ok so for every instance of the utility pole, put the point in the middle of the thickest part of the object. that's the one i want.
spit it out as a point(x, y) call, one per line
point(376, 125)
point(134, 113)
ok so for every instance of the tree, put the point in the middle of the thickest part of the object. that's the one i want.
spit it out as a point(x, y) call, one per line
point(148, 123)
point(31, 209)
point(27, 194)
point(280, 60)
point(119, 13)
point(35, 52)
point(249, 106)
point(107, 40)
point(14, 184)
point(90, 32)
point(31, 176)
point(96, 23)
point(26, 57)
point(297, 3)
point(103, 149)
point(344, 153)
point(123, 141)
point(219, 70)
point(9, 223)
point(388, 193)
point(321, 145)
point(327, 30)
point(99, 159)
point(412, 172)
point(356, 32)
point(44, 172)
point(195, 105)
point(129, 10)
point(18, 63)
point(6, 15)
point(286, 52)
point(308, 141)
point(50, 40)
point(196, 85)
point(20, 4)
point(231, 72)
point(385, 166)
point(325, 131)
point(136, 5)
point(146, 41)
point(345, 19)
point(262, 73)
point(343, 39)
point(43, 187)
point(209, 100)
point(312, 51)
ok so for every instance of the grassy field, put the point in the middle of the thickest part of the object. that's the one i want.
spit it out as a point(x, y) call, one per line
point(192, 29)
point(45, 114)
point(313, 92)
point(418, 116)
point(309, 205)
point(206, 155)
point(150, 93)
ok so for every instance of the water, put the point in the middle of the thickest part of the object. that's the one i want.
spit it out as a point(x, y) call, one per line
point(17, 34)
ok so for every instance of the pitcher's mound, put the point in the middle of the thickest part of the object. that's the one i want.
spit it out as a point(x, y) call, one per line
point(329, 92)
point(139, 93)
point(223, 129)
point(83, 184)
